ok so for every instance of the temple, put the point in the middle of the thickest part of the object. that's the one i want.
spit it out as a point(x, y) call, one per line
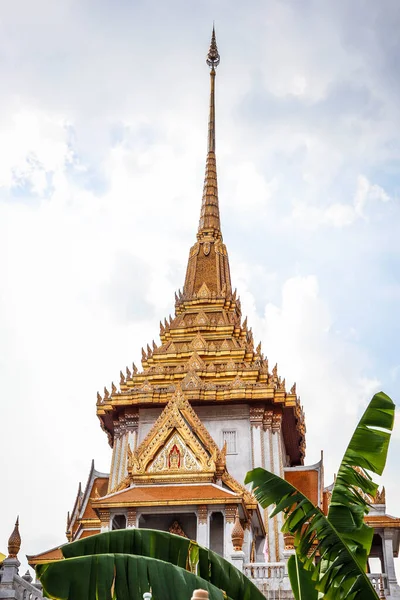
point(205, 408)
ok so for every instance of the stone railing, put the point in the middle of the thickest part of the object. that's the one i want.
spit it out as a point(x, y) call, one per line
point(265, 570)
point(26, 590)
point(271, 579)
point(375, 580)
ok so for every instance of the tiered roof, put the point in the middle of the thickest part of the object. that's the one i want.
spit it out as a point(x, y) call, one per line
point(206, 348)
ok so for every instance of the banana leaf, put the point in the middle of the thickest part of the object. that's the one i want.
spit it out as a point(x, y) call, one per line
point(169, 548)
point(344, 577)
point(122, 576)
point(366, 452)
point(303, 586)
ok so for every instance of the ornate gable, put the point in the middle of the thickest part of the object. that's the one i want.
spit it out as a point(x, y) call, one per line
point(175, 456)
point(178, 447)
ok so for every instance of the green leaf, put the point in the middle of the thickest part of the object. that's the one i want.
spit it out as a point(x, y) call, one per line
point(169, 548)
point(366, 452)
point(303, 586)
point(344, 576)
point(122, 576)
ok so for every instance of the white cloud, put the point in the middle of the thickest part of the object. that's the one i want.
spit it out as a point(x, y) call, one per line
point(33, 143)
point(339, 214)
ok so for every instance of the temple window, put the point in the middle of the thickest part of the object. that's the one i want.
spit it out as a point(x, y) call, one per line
point(118, 522)
point(229, 436)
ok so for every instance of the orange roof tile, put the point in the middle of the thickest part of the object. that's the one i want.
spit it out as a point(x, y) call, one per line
point(100, 484)
point(169, 494)
point(382, 521)
point(306, 481)
point(47, 556)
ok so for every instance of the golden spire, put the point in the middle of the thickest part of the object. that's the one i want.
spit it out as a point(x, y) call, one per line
point(14, 541)
point(208, 274)
point(209, 216)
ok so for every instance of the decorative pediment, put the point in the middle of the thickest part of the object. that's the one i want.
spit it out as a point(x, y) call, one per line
point(175, 457)
point(195, 363)
point(178, 444)
point(192, 382)
point(198, 343)
point(201, 319)
point(204, 291)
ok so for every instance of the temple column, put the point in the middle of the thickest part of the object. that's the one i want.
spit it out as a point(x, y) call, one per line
point(257, 438)
point(272, 447)
point(125, 436)
point(394, 588)
point(131, 521)
point(203, 527)
point(104, 516)
point(277, 468)
point(230, 512)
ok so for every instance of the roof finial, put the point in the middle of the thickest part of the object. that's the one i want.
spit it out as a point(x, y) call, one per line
point(14, 541)
point(213, 57)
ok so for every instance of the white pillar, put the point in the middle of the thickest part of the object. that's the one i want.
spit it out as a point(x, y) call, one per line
point(277, 464)
point(131, 520)
point(104, 516)
point(229, 514)
point(256, 419)
point(203, 526)
point(394, 588)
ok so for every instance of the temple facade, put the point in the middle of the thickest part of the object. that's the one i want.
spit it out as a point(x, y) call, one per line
point(204, 408)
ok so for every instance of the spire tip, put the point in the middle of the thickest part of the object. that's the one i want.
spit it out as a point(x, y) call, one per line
point(213, 56)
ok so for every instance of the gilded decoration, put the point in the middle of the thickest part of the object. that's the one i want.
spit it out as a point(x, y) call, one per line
point(256, 415)
point(380, 497)
point(237, 534)
point(230, 513)
point(178, 441)
point(175, 456)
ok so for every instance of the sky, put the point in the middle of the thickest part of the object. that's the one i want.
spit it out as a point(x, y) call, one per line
point(103, 125)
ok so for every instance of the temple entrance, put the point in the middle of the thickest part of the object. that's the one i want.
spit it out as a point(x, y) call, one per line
point(217, 533)
point(184, 524)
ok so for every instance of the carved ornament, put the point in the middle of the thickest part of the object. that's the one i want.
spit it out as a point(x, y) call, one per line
point(256, 415)
point(202, 514)
point(230, 513)
point(132, 517)
point(276, 422)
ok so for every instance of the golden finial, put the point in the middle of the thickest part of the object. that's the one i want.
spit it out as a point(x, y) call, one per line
point(237, 534)
point(213, 56)
point(14, 541)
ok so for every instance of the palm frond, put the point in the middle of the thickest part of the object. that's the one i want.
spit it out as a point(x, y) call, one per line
point(122, 576)
point(366, 452)
point(313, 534)
point(169, 548)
